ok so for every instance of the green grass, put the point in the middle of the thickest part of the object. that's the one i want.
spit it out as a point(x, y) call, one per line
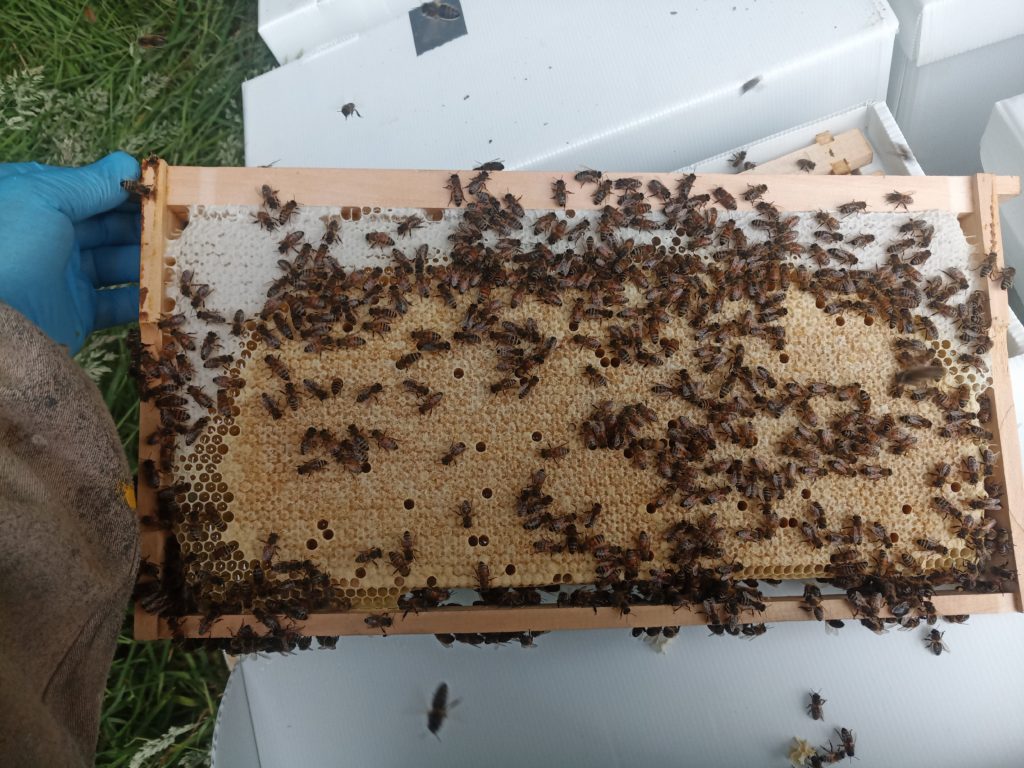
point(74, 85)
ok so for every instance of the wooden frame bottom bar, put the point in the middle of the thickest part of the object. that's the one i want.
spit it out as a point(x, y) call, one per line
point(459, 619)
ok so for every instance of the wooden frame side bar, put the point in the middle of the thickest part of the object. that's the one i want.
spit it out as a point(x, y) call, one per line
point(984, 226)
point(151, 302)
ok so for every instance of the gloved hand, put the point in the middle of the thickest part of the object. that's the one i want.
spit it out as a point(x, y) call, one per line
point(65, 233)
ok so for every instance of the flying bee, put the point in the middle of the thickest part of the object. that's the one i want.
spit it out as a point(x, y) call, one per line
point(899, 200)
point(369, 393)
point(439, 704)
point(380, 240)
point(454, 186)
point(349, 109)
point(806, 164)
point(408, 224)
point(724, 199)
point(371, 555)
point(454, 451)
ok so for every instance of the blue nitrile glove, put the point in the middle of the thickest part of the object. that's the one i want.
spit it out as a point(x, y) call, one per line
point(65, 233)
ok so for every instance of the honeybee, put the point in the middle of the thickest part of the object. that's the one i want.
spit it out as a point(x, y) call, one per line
point(454, 451)
point(559, 192)
point(855, 206)
point(723, 198)
point(594, 376)
point(314, 465)
point(349, 109)
point(454, 186)
point(287, 211)
point(369, 393)
point(371, 555)
point(465, 514)
point(314, 389)
point(290, 241)
point(383, 440)
point(399, 563)
point(483, 575)
point(430, 402)
point(555, 453)
point(933, 642)
point(899, 200)
point(408, 224)
point(806, 164)
point(816, 707)
point(379, 621)
point(380, 240)
point(265, 221)
point(406, 361)
point(271, 405)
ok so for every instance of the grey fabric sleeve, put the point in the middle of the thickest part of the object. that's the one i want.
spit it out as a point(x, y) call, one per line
point(69, 550)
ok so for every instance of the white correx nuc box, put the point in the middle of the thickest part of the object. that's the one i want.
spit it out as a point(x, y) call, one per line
point(1002, 151)
point(953, 60)
point(641, 87)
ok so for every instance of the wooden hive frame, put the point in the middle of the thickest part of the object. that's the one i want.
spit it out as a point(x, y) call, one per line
point(974, 200)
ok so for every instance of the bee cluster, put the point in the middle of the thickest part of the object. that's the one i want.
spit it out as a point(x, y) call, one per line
point(619, 397)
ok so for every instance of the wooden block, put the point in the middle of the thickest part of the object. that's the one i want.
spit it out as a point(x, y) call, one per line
point(850, 147)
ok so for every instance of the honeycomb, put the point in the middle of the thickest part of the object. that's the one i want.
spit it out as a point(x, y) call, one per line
point(242, 469)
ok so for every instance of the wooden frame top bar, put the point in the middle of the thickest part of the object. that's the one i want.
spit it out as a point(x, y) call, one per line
point(425, 189)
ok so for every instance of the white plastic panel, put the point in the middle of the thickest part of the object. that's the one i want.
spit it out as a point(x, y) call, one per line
point(653, 86)
point(603, 698)
point(931, 30)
